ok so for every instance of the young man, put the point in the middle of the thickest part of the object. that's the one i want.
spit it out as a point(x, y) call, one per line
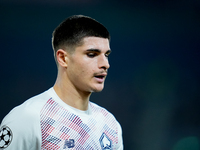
point(63, 117)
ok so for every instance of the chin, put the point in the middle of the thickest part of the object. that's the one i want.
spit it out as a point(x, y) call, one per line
point(97, 89)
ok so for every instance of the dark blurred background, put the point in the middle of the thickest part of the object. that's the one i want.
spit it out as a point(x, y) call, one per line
point(154, 80)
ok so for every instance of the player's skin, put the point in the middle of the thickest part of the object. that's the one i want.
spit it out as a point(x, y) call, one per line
point(82, 72)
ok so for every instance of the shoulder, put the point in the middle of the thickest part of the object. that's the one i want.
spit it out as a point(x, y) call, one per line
point(24, 120)
point(101, 111)
point(31, 106)
point(28, 110)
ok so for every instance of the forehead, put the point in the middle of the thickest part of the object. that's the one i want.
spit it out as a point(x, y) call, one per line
point(95, 43)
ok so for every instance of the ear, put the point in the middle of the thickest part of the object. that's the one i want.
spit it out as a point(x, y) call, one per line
point(62, 58)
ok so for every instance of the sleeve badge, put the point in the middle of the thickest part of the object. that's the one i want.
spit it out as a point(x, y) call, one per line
point(5, 137)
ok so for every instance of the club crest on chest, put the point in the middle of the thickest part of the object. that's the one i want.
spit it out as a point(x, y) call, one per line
point(105, 142)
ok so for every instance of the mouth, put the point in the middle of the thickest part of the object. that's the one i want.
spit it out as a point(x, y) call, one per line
point(100, 77)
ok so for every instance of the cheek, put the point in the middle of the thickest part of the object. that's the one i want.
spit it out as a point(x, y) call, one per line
point(88, 65)
point(83, 70)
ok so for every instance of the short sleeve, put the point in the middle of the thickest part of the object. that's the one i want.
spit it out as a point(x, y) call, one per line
point(18, 130)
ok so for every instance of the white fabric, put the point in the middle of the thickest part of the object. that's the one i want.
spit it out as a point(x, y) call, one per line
point(46, 122)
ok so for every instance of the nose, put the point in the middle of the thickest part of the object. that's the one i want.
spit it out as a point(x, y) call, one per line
point(104, 63)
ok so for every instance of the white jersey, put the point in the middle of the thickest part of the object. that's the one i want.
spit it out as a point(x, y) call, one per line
point(45, 122)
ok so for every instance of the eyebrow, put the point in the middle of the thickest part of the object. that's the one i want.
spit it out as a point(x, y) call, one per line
point(97, 50)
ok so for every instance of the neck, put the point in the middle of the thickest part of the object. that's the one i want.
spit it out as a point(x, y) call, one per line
point(70, 95)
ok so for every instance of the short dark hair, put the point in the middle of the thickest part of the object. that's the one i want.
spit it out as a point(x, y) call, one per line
point(73, 29)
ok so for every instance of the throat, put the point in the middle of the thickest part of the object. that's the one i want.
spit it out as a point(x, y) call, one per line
point(73, 98)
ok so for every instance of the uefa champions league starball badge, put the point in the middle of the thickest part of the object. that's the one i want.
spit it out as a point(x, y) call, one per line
point(5, 137)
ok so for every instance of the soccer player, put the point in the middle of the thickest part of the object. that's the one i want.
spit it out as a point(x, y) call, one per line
point(63, 117)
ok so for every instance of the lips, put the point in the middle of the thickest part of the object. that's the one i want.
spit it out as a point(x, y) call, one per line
point(100, 77)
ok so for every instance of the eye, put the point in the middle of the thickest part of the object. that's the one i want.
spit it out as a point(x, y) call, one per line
point(107, 55)
point(91, 55)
